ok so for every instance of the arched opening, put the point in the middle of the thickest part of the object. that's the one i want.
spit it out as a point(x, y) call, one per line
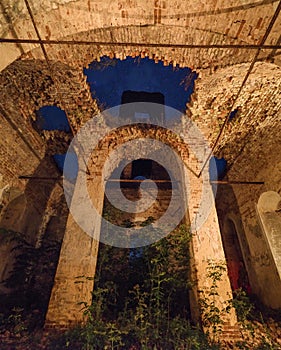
point(125, 274)
point(237, 271)
point(155, 277)
point(51, 118)
point(114, 81)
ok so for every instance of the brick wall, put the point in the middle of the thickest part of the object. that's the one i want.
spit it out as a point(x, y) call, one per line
point(189, 22)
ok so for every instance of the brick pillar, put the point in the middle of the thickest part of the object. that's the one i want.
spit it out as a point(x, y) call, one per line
point(207, 246)
point(78, 257)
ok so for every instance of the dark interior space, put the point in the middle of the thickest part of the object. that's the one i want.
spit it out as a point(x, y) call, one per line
point(235, 263)
point(146, 112)
point(141, 169)
point(238, 260)
point(142, 96)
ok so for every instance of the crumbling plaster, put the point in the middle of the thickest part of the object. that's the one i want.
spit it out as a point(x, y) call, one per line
point(250, 142)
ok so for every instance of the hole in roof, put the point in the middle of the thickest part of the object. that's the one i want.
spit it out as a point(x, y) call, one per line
point(51, 118)
point(217, 168)
point(232, 114)
point(109, 78)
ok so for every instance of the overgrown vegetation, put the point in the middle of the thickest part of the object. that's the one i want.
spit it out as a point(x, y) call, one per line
point(140, 300)
point(29, 284)
point(255, 332)
point(211, 311)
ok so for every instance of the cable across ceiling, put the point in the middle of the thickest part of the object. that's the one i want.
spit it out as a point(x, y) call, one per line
point(258, 47)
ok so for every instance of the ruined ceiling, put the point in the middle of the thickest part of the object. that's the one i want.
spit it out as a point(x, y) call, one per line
point(234, 46)
point(202, 33)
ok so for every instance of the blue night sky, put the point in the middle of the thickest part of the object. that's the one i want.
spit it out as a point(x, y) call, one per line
point(52, 118)
point(110, 78)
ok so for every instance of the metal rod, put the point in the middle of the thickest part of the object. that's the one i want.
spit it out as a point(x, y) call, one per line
point(237, 182)
point(37, 31)
point(30, 177)
point(139, 181)
point(121, 43)
point(40, 41)
point(267, 32)
point(219, 182)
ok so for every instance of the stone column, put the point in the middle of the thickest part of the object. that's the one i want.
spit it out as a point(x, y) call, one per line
point(206, 249)
point(77, 261)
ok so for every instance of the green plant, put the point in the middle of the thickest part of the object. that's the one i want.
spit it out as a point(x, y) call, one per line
point(30, 280)
point(252, 322)
point(155, 311)
point(16, 322)
point(211, 310)
point(242, 304)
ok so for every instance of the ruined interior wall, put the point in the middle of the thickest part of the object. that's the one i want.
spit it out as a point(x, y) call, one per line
point(259, 161)
point(190, 22)
point(25, 87)
point(80, 108)
point(197, 22)
point(257, 105)
point(251, 145)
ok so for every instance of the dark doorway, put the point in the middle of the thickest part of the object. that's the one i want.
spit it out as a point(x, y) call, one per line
point(235, 263)
point(143, 113)
point(142, 96)
point(142, 168)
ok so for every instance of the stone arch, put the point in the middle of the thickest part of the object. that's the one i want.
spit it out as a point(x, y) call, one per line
point(50, 117)
point(269, 208)
point(127, 133)
point(236, 258)
point(112, 144)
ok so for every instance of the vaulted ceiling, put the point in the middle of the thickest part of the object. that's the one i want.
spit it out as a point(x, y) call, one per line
point(235, 47)
point(198, 34)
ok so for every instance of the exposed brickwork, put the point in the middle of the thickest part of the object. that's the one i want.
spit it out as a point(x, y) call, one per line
point(189, 22)
point(250, 142)
point(25, 88)
point(252, 164)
